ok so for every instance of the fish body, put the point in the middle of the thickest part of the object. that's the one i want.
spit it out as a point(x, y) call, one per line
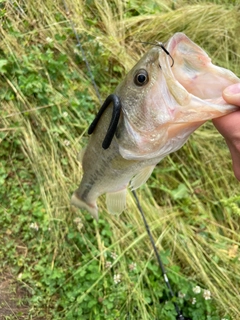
point(161, 106)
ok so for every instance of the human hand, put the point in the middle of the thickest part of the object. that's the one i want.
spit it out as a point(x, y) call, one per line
point(229, 126)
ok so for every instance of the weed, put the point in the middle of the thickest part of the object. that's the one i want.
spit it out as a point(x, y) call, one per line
point(70, 266)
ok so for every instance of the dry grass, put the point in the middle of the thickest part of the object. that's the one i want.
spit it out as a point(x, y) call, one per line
point(202, 230)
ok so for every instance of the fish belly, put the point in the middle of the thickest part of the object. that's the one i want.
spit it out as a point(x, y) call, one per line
point(110, 174)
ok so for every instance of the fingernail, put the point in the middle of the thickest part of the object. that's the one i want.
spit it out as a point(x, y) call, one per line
point(232, 90)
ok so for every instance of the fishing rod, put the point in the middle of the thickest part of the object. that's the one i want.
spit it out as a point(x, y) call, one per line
point(116, 102)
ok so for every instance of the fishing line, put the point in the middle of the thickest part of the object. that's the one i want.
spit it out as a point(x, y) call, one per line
point(82, 51)
point(107, 141)
point(170, 291)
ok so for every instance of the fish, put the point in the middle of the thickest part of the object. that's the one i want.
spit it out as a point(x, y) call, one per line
point(162, 103)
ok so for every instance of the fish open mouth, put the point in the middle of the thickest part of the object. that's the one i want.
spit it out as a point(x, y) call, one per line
point(194, 71)
point(180, 97)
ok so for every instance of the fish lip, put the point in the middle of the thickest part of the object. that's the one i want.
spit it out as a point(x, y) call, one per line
point(176, 89)
point(174, 41)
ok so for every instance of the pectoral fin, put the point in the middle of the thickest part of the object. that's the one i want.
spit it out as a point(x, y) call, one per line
point(116, 201)
point(141, 177)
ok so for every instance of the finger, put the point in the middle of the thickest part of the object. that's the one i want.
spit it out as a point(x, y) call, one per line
point(235, 153)
point(232, 94)
point(229, 125)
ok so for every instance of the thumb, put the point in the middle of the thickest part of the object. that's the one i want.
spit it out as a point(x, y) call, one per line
point(232, 94)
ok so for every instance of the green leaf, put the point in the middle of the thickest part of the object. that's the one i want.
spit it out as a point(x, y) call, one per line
point(180, 192)
point(3, 63)
point(92, 303)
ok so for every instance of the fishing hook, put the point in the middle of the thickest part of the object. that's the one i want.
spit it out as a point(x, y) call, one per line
point(116, 109)
point(117, 106)
point(160, 44)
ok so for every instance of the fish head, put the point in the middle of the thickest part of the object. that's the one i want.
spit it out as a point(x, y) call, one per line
point(162, 104)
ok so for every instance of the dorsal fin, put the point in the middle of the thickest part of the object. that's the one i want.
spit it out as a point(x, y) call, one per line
point(81, 154)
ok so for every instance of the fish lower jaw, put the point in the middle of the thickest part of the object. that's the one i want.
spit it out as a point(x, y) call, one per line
point(92, 209)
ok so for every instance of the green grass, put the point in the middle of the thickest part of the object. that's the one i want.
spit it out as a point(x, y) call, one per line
point(65, 266)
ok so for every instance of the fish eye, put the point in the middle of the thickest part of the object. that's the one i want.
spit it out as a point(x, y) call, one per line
point(141, 77)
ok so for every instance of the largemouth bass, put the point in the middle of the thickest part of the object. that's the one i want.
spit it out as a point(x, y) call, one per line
point(161, 106)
